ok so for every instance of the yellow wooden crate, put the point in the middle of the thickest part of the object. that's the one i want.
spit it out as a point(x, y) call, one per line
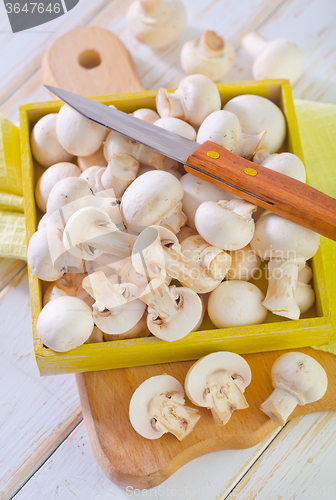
point(277, 333)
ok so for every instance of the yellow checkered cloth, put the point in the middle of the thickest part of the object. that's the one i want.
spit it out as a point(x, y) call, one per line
point(12, 223)
point(317, 126)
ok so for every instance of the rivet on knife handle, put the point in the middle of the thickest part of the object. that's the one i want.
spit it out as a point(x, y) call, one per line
point(271, 190)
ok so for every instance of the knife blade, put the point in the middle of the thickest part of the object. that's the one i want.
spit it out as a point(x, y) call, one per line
point(259, 185)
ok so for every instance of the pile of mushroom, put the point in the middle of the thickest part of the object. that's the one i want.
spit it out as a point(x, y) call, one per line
point(146, 248)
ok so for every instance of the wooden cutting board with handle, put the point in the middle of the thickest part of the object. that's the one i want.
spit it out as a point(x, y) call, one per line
point(80, 61)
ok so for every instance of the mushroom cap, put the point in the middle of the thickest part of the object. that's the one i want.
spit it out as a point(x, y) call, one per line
point(199, 373)
point(222, 228)
point(45, 248)
point(221, 127)
point(244, 264)
point(150, 198)
point(89, 175)
point(64, 323)
point(146, 114)
point(45, 145)
point(288, 164)
point(275, 237)
point(196, 192)
point(177, 126)
point(119, 319)
point(195, 61)
point(300, 375)
point(279, 59)
point(236, 303)
point(304, 296)
point(81, 230)
point(200, 97)
point(49, 178)
point(179, 325)
point(77, 134)
point(97, 159)
point(157, 29)
point(139, 413)
point(66, 195)
point(256, 114)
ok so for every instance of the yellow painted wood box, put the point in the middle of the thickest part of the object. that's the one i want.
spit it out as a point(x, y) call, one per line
point(277, 333)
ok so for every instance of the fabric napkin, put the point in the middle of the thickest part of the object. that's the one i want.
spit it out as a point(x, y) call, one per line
point(12, 223)
point(317, 126)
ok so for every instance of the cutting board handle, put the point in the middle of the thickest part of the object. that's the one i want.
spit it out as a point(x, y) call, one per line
point(90, 61)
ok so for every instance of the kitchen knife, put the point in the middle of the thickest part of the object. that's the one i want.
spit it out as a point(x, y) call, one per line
point(259, 185)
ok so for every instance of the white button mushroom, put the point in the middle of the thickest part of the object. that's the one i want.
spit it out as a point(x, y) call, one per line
point(64, 323)
point(287, 164)
point(138, 331)
point(282, 284)
point(223, 128)
point(196, 97)
point(146, 114)
point(196, 192)
point(89, 175)
point(117, 308)
point(280, 238)
point(48, 180)
point(298, 379)
point(257, 114)
point(277, 59)
point(47, 256)
point(185, 232)
point(173, 312)
point(245, 263)
point(236, 303)
point(157, 252)
point(304, 294)
point(97, 159)
point(117, 144)
point(213, 259)
point(177, 126)
point(227, 224)
point(157, 407)
point(45, 145)
point(157, 23)
point(218, 382)
point(153, 198)
point(67, 196)
point(90, 232)
point(207, 55)
point(77, 134)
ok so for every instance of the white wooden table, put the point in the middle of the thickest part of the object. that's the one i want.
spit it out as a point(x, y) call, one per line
point(44, 449)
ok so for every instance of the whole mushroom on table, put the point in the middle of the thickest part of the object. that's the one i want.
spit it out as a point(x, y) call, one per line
point(201, 236)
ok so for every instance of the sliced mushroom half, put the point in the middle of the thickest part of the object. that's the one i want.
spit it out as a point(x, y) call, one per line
point(218, 382)
point(157, 407)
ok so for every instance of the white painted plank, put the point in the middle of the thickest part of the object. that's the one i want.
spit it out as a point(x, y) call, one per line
point(8, 269)
point(36, 413)
point(72, 472)
point(299, 463)
point(312, 25)
point(21, 53)
point(159, 68)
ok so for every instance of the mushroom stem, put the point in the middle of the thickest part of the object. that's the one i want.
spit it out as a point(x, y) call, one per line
point(170, 412)
point(163, 302)
point(175, 219)
point(253, 43)
point(283, 278)
point(224, 396)
point(248, 145)
point(152, 7)
point(279, 405)
point(170, 104)
point(211, 45)
point(239, 207)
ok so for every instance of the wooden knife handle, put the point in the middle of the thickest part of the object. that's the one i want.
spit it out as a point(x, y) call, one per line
point(266, 188)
